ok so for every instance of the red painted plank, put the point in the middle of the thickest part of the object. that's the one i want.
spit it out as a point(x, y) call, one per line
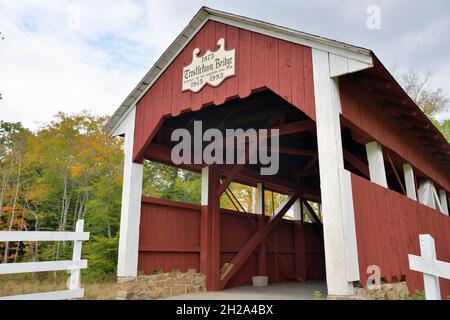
point(397, 222)
point(210, 44)
point(361, 109)
point(271, 62)
point(256, 55)
point(186, 101)
point(232, 41)
point(166, 103)
point(244, 62)
point(298, 79)
point(310, 108)
point(177, 66)
point(220, 92)
point(170, 239)
point(198, 42)
point(258, 58)
point(284, 70)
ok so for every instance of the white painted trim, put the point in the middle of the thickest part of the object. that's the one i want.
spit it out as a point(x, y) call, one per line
point(431, 268)
point(410, 181)
point(299, 38)
point(376, 163)
point(12, 268)
point(42, 236)
point(297, 210)
point(76, 256)
point(341, 65)
point(337, 206)
point(348, 219)
point(205, 186)
point(260, 198)
point(131, 205)
point(425, 193)
point(444, 201)
point(436, 268)
point(52, 295)
point(437, 200)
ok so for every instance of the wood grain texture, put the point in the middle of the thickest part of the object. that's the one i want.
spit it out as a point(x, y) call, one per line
point(363, 111)
point(170, 239)
point(262, 62)
point(388, 225)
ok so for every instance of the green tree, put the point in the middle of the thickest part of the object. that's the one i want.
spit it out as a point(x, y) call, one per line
point(67, 170)
point(432, 101)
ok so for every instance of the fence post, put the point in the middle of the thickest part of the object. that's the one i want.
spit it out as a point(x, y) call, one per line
point(77, 245)
point(431, 282)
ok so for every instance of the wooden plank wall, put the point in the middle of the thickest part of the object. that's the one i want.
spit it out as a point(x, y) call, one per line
point(169, 239)
point(360, 108)
point(262, 62)
point(388, 225)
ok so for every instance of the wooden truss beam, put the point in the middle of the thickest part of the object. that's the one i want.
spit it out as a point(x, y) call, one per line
point(240, 258)
point(318, 226)
point(355, 162)
point(395, 172)
point(229, 178)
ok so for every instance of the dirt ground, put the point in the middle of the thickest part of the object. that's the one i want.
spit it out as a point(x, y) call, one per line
point(309, 290)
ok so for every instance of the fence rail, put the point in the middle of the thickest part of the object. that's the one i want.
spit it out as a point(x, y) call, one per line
point(74, 265)
point(43, 236)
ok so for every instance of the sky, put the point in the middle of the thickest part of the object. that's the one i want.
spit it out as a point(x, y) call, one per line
point(69, 56)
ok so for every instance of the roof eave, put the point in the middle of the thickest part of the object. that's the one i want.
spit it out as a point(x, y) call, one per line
point(201, 17)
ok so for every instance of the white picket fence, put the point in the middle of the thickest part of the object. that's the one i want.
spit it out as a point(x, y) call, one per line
point(431, 268)
point(74, 265)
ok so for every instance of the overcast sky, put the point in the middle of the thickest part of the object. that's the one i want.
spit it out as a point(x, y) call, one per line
point(61, 55)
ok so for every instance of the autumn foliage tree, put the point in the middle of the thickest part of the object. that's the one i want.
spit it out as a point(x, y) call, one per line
point(65, 171)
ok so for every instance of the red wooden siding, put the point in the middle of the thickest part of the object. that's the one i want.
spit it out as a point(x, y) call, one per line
point(388, 225)
point(262, 62)
point(360, 108)
point(170, 239)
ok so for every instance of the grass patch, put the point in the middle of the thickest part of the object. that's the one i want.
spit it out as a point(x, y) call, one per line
point(29, 283)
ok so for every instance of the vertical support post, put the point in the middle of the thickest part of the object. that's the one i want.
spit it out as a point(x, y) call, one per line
point(338, 217)
point(131, 203)
point(300, 251)
point(425, 193)
point(210, 229)
point(376, 163)
point(74, 283)
point(410, 182)
point(444, 201)
point(428, 252)
point(297, 209)
point(262, 271)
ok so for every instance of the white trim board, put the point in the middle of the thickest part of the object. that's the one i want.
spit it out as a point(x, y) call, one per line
point(52, 295)
point(43, 236)
point(24, 267)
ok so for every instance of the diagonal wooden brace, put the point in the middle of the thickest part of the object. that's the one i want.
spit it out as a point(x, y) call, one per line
point(226, 183)
point(240, 258)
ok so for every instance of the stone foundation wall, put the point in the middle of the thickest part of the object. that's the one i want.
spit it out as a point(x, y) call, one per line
point(161, 285)
point(386, 291)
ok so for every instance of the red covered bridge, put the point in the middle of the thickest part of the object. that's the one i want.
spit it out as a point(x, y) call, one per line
point(350, 139)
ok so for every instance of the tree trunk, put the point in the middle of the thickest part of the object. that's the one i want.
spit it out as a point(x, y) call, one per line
point(13, 212)
point(109, 229)
point(2, 194)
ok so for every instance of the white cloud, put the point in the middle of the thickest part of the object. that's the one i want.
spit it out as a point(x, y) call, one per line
point(52, 60)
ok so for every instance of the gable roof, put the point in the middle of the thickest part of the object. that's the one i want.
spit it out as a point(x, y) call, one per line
point(356, 53)
point(205, 14)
